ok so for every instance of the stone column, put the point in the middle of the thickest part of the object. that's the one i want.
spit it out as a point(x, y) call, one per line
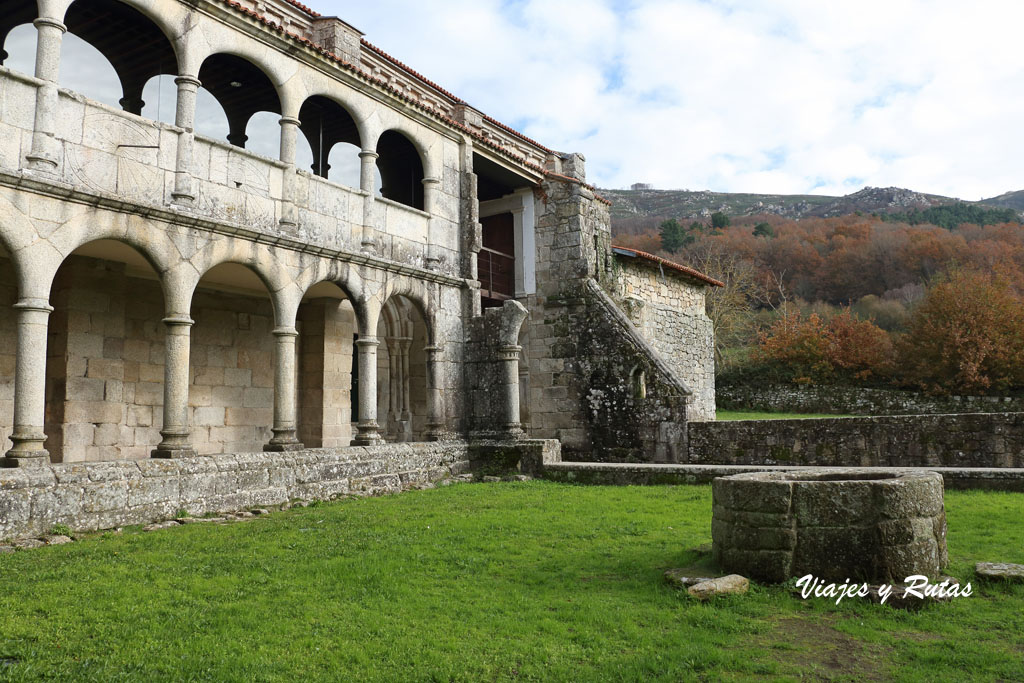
point(405, 378)
point(507, 322)
point(289, 129)
point(284, 392)
point(236, 129)
point(367, 168)
point(431, 189)
point(30, 386)
point(176, 433)
point(368, 430)
point(44, 152)
point(132, 101)
point(390, 421)
point(184, 118)
point(435, 403)
point(509, 357)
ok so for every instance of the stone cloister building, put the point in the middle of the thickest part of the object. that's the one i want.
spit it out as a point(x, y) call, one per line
point(166, 295)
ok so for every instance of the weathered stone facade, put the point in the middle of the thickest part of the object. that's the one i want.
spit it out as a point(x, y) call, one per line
point(965, 440)
point(163, 294)
point(668, 309)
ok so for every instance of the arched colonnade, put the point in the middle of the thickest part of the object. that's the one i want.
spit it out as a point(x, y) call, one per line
point(144, 39)
point(381, 303)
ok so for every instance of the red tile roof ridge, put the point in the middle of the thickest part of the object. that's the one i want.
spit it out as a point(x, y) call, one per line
point(310, 12)
point(458, 100)
point(673, 265)
point(381, 83)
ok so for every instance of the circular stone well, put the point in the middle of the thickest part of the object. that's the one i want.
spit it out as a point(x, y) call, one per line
point(836, 524)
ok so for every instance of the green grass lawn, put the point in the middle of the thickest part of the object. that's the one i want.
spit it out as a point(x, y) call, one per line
point(725, 415)
point(533, 581)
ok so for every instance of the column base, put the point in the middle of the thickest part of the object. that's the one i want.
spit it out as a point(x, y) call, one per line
point(283, 446)
point(513, 432)
point(26, 459)
point(367, 434)
point(184, 199)
point(42, 163)
point(173, 453)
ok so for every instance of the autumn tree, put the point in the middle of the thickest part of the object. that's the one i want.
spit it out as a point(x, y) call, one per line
point(729, 307)
point(966, 336)
point(813, 349)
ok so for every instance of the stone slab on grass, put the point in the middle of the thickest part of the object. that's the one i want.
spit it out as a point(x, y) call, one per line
point(1000, 570)
point(733, 584)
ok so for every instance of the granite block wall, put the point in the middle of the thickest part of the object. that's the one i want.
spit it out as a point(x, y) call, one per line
point(966, 440)
point(90, 496)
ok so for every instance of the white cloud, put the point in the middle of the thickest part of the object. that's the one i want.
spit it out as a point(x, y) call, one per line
point(735, 95)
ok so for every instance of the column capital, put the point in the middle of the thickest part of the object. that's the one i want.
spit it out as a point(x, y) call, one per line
point(368, 342)
point(31, 304)
point(430, 181)
point(285, 332)
point(368, 154)
point(289, 120)
point(186, 79)
point(178, 321)
point(51, 22)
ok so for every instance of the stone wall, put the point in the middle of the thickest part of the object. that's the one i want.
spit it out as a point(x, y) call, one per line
point(855, 400)
point(90, 496)
point(595, 382)
point(970, 440)
point(669, 311)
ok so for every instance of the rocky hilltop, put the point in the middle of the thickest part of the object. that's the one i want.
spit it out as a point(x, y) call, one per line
point(696, 204)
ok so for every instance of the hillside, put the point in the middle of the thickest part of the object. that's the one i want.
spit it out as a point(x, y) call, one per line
point(1012, 200)
point(660, 204)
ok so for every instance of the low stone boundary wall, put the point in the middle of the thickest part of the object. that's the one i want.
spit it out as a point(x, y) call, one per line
point(654, 474)
point(103, 495)
point(966, 440)
point(798, 398)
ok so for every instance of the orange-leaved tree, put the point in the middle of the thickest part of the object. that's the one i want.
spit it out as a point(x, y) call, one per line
point(967, 335)
point(842, 348)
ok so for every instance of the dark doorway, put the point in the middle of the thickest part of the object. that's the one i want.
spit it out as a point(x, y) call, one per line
point(496, 263)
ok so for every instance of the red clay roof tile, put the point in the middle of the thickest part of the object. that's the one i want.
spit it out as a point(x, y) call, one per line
point(686, 270)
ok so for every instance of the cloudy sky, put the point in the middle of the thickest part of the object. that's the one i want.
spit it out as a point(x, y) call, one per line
point(787, 96)
point(794, 96)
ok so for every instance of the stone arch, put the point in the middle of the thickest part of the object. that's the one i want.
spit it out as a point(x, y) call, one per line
point(242, 86)
point(13, 17)
point(418, 293)
point(105, 352)
point(130, 229)
point(402, 163)
point(403, 383)
point(327, 393)
point(233, 378)
point(320, 270)
point(262, 260)
point(131, 37)
point(325, 123)
point(16, 235)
